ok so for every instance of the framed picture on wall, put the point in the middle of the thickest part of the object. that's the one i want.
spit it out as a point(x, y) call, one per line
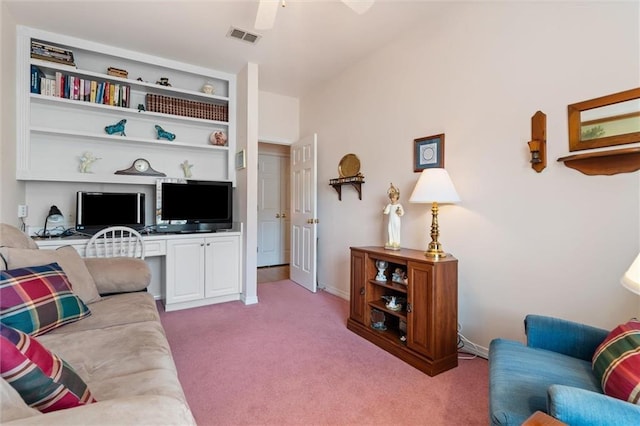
point(428, 152)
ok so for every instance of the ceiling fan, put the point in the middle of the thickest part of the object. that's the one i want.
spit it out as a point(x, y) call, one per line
point(267, 10)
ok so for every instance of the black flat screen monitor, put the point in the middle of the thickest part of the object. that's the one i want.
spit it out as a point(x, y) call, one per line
point(193, 205)
point(99, 210)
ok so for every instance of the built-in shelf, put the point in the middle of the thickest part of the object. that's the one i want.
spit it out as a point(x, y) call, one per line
point(604, 162)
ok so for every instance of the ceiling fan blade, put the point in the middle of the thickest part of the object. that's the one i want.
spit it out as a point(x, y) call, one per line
point(359, 6)
point(266, 16)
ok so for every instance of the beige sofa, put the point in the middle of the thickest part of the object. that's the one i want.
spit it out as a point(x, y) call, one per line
point(120, 350)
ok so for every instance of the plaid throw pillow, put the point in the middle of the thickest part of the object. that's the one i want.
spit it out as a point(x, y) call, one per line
point(45, 381)
point(38, 299)
point(616, 362)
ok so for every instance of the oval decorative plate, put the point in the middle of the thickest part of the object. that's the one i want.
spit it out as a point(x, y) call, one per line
point(349, 165)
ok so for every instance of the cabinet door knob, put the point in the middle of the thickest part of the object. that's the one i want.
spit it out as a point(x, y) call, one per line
point(409, 307)
point(284, 215)
point(277, 215)
point(362, 291)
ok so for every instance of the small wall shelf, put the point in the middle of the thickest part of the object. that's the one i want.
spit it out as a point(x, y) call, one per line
point(355, 181)
point(605, 162)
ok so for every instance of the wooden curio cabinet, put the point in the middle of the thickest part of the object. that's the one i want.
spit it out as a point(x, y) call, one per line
point(423, 331)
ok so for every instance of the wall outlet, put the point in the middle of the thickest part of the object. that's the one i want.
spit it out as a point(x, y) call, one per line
point(23, 210)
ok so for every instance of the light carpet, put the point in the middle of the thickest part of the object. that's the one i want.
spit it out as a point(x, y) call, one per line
point(291, 360)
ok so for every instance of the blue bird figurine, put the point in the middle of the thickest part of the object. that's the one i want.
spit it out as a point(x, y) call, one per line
point(116, 128)
point(163, 134)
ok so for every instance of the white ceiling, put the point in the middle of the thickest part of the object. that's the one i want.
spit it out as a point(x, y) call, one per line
point(311, 41)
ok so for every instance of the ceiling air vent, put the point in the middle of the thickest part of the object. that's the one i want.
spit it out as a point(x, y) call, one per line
point(243, 35)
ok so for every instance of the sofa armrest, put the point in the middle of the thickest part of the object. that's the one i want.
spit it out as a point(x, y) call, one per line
point(119, 274)
point(562, 336)
point(577, 407)
point(136, 410)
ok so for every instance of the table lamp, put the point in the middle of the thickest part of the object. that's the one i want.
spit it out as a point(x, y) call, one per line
point(434, 186)
point(631, 279)
point(54, 216)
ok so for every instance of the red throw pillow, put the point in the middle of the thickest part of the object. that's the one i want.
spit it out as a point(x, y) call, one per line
point(44, 380)
point(616, 362)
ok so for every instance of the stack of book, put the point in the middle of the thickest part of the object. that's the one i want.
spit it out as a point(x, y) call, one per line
point(47, 52)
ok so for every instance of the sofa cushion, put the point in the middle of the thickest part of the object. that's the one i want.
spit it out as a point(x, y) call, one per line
point(110, 311)
point(10, 236)
point(119, 274)
point(13, 406)
point(38, 299)
point(67, 257)
point(520, 376)
point(616, 362)
point(120, 361)
point(44, 380)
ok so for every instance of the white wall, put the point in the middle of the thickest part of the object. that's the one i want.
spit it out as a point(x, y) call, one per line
point(247, 178)
point(551, 243)
point(11, 192)
point(279, 118)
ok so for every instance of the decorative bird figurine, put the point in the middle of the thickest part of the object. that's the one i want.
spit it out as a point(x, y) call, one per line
point(116, 128)
point(163, 134)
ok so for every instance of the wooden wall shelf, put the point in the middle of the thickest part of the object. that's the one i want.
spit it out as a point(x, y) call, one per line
point(356, 185)
point(355, 181)
point(605, 162)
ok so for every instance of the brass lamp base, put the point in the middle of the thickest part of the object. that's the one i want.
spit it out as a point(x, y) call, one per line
point(435, 248)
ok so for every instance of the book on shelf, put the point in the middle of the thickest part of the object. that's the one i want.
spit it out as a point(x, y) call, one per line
point(36, 77)
point(68, 86)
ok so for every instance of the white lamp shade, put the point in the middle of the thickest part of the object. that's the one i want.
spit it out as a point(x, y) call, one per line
point(631, 279)
point(434, 185)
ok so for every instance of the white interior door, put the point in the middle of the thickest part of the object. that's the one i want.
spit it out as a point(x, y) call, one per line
point(269, 210)
point(304, 193)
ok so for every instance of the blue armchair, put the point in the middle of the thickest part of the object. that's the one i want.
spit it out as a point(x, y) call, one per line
point(552, 374)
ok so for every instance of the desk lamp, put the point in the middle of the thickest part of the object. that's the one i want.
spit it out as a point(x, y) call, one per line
point(54, 216)
point(434, 186)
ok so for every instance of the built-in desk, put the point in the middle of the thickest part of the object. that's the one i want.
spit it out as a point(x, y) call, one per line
point(188, 270)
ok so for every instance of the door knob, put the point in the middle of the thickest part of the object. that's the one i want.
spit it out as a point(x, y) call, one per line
point(284, 215)
point(277, 215)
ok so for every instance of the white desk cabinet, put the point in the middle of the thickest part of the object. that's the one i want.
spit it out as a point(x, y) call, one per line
point(202, 271)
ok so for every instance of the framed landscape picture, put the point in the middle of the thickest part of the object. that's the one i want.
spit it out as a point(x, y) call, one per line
point(428, 152)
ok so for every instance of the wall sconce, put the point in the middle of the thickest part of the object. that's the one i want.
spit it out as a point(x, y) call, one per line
point(538, 142)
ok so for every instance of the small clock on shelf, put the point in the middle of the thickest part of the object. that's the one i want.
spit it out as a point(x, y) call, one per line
point(140, 167)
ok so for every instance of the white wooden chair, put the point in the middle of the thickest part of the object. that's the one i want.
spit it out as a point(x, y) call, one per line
point(116, 241)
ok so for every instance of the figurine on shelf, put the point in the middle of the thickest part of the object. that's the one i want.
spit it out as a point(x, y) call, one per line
point(382, 266)
point(377, 320)
point(163, 134)
point(392, 304)
point(399, 276)
point(116, 128)
point(218, 138)
point(86, 161)
point(208, 88)
point(164, 81)
point(395, 211)
point(186, 168)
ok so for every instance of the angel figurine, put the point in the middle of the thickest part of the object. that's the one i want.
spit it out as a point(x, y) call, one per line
point(395, 211)
point(86, 161)
point(186, 168)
